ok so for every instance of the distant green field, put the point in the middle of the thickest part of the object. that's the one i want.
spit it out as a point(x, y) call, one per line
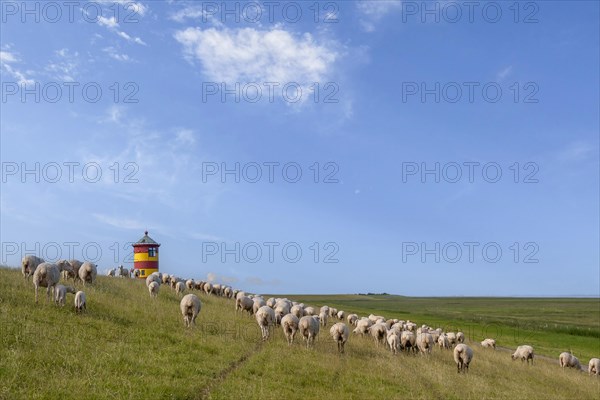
point(129, 346)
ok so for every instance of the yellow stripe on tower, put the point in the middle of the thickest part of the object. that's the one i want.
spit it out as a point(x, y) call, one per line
point(143, 257)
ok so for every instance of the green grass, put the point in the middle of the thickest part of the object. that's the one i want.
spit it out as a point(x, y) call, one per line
point(128, 346)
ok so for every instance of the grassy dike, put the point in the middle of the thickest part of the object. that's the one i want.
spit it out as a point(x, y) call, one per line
point(128, 346)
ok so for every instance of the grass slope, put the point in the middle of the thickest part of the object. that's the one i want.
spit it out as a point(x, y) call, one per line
point(128, 346)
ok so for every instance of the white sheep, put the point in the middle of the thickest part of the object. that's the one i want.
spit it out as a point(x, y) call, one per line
point(190, 284)
point(208, 288)
point(451, 338)
point(111, 272)
point(324, 309)
point(166, 279)
point(152, 278)
point(333, 312)
point(362, 326)
point(443, 341)
point(339, 333)
point(393, 340)
point(408, 341)
point(524, 353)
point(352, 318)
point(425, 342)
point(289, 324)
point(323, 315)
point(190, 307)
point(378, 333)
point(88, 272)
point(29, 264)
point(244, 303)
point(568, 360)
point(341, 315)
point(180, 287)
point(258, 303)
point(460, 337)
point(489, 343)
point(310, 311)
point(309, 328)
point(297, 310)
point(271, 302)
point(265, 317)
point(153, 289)
point(80, 302)
point(594, 366)
point(463, 355)
point(60, 294)
point(47, 275)
point(282, 308)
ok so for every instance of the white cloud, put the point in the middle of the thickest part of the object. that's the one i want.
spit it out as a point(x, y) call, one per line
point(64, 66)
point(136, 8)
point(193, 12)
point(185, 137)
point(6, 60)
point(112, 25)
point(504, 72)
point(577, 151)
point(113, 53)
point(251, 55)
point(108, 22)
point(372, 11)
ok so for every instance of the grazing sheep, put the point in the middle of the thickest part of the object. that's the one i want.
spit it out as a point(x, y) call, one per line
point(567, 359)
point(258, 303)
point(80, 302)
point(309, 329)
point(594, 366)
point(123, 272)
point(47, 275)
point(310, 311)
point(152, 278)
point(29, 264)
point(282, 308)
point(271, 302)
point(153, 288)
point(244, 303)
point(324, 309)
point(333, 312)
point(489, 343)
point(76, 265)
point(341, 315)
point(265, 317)
point(362, 326)
point(88, 272)
point(443, 341)
point(463, 355)
point(425, 342)
point(393, 340)
point(460, 337)
point(60, 294)
point(339, 333)
point(352, 318)
point(289, 324)
point(190, 284)
point(408, 341)
point(451, 338)
point(323, 315)
point(297, 310)
point(378, 333)
point(190, 306)
point(166, 279)
point(180, 288)
point(208, 288)
point(111, 272)
point(524, 353)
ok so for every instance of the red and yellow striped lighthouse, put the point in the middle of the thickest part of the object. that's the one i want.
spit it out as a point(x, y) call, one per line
point(145, 256)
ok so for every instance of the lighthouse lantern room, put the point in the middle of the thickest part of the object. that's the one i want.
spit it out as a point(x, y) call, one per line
point(145, 256)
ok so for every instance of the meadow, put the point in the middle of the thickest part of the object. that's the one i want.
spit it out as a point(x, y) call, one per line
point(129, 346)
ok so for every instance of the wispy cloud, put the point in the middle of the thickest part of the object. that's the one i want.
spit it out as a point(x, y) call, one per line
point(114, 54)
point(112, 25)
point(372, 11)
point(577, 151)
point(504, 73)
point(7, 61)
point(64, 65)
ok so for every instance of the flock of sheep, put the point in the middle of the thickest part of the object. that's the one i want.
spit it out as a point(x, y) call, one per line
point(291, 316)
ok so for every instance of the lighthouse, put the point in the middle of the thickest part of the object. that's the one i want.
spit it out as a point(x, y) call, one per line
point(145, 256)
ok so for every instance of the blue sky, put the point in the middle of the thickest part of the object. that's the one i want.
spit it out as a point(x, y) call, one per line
point(373, 126)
